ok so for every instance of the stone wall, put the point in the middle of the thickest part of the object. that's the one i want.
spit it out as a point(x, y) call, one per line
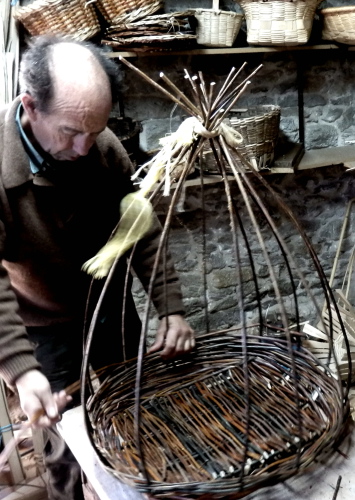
point(318, 197)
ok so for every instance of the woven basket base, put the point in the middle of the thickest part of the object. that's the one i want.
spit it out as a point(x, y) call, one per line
point(194, 415)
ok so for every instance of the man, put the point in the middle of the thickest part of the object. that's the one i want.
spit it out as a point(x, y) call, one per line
point(63, 174)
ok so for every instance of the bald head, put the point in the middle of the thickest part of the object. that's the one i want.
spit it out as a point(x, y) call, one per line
point(52, 64)
point(77, 73)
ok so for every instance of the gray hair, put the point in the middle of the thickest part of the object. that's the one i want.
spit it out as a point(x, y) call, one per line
point(36, 77)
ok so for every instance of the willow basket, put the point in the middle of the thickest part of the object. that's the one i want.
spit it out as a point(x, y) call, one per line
point(259, 127)
point(217, 28)
point(279, 22)
point(76, 18)
point(197, 421)
point(339, 24)
point(119, 11)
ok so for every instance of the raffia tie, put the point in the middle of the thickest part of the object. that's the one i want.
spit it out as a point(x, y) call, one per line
point(188, 132)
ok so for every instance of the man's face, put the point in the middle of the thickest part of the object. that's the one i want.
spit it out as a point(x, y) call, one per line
point(72, 124)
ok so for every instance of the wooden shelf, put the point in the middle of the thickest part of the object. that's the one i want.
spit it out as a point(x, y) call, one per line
point(226, 51)
point(315, 158)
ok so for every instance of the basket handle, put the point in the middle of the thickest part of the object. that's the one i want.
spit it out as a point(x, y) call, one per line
point(215, 4)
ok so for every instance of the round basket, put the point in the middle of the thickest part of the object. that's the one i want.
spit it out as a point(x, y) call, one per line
point(217, 28)
point(279, 22)
point(259, 127)
point(339, 24)
point(76, 18)
point(119, 11)
point(203, 432)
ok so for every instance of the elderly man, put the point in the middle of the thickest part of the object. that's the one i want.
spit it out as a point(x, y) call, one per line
point(63, 174)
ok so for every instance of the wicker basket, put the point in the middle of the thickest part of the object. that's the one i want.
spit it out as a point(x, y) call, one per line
point(339, 24)
point(76, 18)
point(118, 11)
point(217, 28)
point(279, 22)
point(259, 127)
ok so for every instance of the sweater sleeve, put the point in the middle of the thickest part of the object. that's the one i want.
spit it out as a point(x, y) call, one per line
point(16, 351)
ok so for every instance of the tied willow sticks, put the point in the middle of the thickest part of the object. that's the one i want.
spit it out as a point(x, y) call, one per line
point(206, 123)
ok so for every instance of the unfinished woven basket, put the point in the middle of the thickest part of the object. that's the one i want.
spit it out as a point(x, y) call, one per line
point(279, 22)
point(119, 11)
point(339, 24)
point(195, 416)
point(217, 28)
point(76, 18)
point(249, 407)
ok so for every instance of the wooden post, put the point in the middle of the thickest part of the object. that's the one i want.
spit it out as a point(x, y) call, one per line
point(14, 461)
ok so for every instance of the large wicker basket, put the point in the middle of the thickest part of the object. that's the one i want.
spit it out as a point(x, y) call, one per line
point(76, 18)
point(279, 22)
point(259, 127)
point(339, 24)
point(119, 11)
point(217, 28)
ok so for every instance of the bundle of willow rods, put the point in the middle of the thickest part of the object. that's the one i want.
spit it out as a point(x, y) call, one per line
point(249, 406)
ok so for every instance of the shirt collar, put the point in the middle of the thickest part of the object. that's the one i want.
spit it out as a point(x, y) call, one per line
point(37, 162)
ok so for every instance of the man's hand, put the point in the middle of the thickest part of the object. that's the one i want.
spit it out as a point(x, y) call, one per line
point(41, 407)
point(174, 337)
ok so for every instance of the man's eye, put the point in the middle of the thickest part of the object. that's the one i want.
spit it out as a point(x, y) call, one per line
point(70, 133)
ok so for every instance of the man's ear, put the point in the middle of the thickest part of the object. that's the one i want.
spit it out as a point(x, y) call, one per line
point(29, 106)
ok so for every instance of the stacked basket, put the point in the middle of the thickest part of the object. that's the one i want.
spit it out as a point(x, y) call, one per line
point(339, 24)
point(217, 28)
point(78, 18)
point(125, 11)
point(259, 127)
point(279, 22)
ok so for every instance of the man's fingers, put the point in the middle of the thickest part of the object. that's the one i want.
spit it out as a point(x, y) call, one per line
point(159, 342)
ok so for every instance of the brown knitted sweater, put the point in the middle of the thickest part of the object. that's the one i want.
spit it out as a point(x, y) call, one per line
point(49, 228)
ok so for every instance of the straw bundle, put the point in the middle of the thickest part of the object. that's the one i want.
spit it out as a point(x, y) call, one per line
point(172, 27)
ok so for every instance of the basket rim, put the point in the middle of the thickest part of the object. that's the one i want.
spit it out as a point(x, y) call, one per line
point(218, 12)
point(336, 10)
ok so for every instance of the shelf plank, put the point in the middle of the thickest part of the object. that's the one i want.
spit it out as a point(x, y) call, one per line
point(325, 157)
point(315, 158)
point(226, 51)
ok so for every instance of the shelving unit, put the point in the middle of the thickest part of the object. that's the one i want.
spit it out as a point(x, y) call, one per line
point(226, 51)
point(296, 158)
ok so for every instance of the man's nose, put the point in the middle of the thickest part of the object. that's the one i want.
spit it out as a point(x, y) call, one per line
point(82, 143)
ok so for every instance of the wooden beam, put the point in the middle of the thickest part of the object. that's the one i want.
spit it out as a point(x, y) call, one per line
point(226, 51)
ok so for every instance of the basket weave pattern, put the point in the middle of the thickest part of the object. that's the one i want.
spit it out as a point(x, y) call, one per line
point(279, 22)
point(194, 418)
point(339, 24)
point(217, 28)
point(260, 131)
point(76, 18)
point(116, 11)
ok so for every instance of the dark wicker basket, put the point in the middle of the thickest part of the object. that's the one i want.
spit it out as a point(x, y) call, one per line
point(203, 430)
point(76, 18)
point(121, 11)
